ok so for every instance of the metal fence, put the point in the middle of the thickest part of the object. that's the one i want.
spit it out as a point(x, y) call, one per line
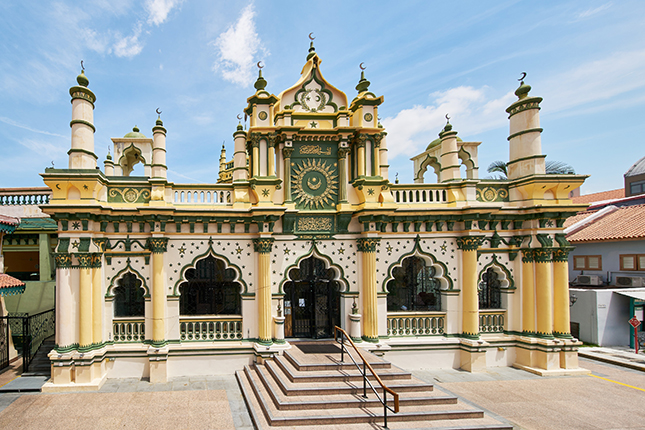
point(28, 333)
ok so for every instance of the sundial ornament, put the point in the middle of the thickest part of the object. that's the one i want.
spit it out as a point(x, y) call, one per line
point(314, 182)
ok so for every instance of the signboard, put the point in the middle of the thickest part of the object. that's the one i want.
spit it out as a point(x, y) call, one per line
point(634, 322)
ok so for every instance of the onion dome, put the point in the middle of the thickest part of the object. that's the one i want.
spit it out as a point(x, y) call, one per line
point(135, 134)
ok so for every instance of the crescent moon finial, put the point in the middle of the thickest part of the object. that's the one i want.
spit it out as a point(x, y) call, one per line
point(82, 66)
point(523, 76)
point(447, 118)
point(239, 116)
point(260, 66)
point(310, 36)
point(158, 111)
point(362, 66)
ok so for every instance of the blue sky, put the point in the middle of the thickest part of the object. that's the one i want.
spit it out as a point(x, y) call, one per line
point(195, 60)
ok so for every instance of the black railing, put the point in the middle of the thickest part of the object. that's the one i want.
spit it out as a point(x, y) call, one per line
point(28, 333)
point(363, 371)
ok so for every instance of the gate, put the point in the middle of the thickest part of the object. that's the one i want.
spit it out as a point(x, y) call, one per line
point(312, 301)
point(28, 334)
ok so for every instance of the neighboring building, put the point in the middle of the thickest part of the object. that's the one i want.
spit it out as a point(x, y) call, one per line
point(302, 232)
point(607, 265)
point(635, 179)
point(28, 251)
point(9, 286)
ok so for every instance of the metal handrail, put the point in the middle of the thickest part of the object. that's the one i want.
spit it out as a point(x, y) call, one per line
point(366, 381)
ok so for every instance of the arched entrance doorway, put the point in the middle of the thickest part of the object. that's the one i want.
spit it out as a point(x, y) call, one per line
point(312, 300)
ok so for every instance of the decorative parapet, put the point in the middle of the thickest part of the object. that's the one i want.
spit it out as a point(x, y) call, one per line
point(24, 196)
point(128, 330)
point(203, 195)
point(210, 328)
point(419, 194)
point(128, 194)
point(490, 193)
point(491, 321)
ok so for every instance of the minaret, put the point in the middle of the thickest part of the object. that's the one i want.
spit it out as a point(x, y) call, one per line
point(159, 168)
point(109, 165)
point(222, 163)
point(449, 154)
point(240, 169)
point(525, 144)
point(82, 156)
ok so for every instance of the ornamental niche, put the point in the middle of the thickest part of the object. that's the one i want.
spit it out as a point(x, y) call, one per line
point(314, 175)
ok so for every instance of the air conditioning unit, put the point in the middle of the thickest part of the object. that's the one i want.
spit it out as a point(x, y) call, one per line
point(630, 281)
point(588, 280)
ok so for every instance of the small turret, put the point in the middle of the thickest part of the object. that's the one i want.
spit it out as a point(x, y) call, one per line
point(449, 154)
point(159, 168)
point(81, 154)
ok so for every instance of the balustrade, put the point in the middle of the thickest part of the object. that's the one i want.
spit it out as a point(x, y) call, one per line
point(189, 195)
point(416, 324)
point(210, 328)
point(492, 321)
point(419, 193)
point(24, 196)
point(128, 330)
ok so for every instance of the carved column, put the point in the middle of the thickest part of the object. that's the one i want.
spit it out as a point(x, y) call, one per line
point(263, 247)
point(97, 299)
point(286, 153)
point(342, 174)
point(271, 140)
point(65, 325)
point(85, 299)
point(544, 293)
point(469, 297)
point(255, 158)
point(528, 293)
point(158, 246)
point(360, 156)
point(367, 246)
point(561, 322)
point(376, 154)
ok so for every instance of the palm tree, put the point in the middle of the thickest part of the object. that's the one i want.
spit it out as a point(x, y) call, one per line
point(500, 169)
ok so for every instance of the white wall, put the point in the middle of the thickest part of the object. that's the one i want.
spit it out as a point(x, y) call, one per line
point(602, 315)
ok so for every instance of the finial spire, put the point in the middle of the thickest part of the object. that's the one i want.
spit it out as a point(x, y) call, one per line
point(260, 83)
point(82, 79)
point(312, 50)
point(523, 90)
point(363, 84)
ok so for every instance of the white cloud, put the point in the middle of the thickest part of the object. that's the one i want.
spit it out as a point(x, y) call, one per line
point(95, 41)
point(129, 46)
point(411, 130)
point(158, 10)
point(43, 148)
point(9, 121)
point(590, 12)
point(595, 81)
point(237, 47)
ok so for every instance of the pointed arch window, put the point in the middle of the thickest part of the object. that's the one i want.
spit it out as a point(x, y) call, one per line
point(415, 287)
point(129, 297)
point(490, 296)
point(210, 289)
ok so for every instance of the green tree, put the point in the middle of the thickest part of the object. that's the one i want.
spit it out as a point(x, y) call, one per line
point(500, 169)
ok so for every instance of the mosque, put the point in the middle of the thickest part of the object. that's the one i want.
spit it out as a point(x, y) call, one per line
point(302, 231)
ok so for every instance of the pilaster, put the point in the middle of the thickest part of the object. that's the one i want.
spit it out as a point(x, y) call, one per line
point(263, 247)
point(367, 246)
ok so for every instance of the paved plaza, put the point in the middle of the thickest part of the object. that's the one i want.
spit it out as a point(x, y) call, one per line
point(610, 398)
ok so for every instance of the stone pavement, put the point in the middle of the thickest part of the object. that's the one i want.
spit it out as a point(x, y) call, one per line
point(610, 398)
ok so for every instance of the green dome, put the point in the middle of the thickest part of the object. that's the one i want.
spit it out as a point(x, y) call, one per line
point(135, 134)
point(437, 141)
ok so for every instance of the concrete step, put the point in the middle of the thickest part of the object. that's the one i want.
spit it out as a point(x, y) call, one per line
point(290, 388)
point(448, 416)
point(262, 382)
point(302, 362)
point(351, 373)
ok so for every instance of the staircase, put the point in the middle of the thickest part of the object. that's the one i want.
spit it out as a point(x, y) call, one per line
point(309, 386)
point(40, 364)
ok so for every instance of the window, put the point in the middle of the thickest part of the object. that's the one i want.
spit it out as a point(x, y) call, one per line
point(637, 188)
point(210, 289)
point(128, 297)
point(632, 262)
point(490, 296)
point(587, 262)
point(414, 287)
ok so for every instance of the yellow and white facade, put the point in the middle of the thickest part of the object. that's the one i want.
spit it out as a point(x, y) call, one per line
point(302, 231)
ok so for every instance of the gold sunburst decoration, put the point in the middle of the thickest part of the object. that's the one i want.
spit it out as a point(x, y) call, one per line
point(314, 183)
